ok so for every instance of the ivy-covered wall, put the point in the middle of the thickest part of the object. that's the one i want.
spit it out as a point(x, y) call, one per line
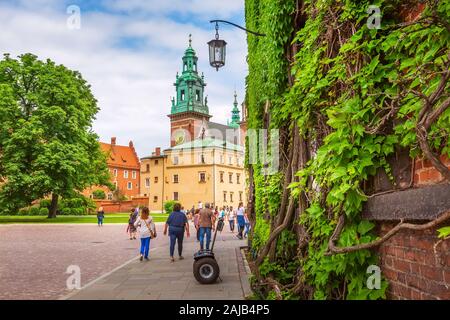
point(345, 97)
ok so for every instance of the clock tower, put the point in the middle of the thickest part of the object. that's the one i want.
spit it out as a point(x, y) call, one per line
point(189, 113)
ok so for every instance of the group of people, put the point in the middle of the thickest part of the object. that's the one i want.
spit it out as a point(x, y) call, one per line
point(204, 220)
point(227, 213)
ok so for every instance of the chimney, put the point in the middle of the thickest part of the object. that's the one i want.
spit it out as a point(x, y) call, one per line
point(113, 141)
point(158, 151)
point(130, 144)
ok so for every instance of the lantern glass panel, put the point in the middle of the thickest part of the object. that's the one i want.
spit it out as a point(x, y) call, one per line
point(217, 53)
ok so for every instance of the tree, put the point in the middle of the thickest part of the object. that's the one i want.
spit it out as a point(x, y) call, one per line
point(99, 194)
point(47, 146)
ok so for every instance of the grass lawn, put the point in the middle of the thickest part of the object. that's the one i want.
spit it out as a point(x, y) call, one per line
point(109, 218)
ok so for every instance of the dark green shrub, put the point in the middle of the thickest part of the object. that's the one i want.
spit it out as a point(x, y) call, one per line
point(78, 211)
point(45, 203)
point(99, 194)
point(43, 211)
point(34, 211)
point(66, 211)
point(168, 206)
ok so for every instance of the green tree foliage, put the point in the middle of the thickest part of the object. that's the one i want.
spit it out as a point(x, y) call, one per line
point(168, 206)
point(47, 145)
point(99, 194)
point(356, 95)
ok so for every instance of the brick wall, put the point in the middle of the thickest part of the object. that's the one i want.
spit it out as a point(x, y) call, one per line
point(425, 173)
point(124, 206)
point(413, 267)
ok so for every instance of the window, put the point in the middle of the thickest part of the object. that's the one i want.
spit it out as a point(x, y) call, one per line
point(155, 199)
point(224, 196)
point(195, 66)
point(230, 160)
point(175, 196)
point(156, 179)
point(201, 158)
point(231, 196)
point(221, 176)
point(115, 184)
point(125, 174)
point(238, 178)
point(115, 172)
point(202, 177)
point(175, 178)
point(182, 95)
point(130, 186)
point(221, 158)
point(110, 196)
point(156, 162)
point(133, 174)
point(240, 195)
point(197, 95)
point(230, 177)
point(147, 167)
point(184, 66)
point(147, 182)
point(237, 161)
point(175, 160)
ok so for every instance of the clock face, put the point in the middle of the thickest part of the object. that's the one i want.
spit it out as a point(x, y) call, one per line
point(180, 137)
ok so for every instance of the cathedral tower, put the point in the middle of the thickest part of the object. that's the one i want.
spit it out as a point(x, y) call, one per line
point(189, 112)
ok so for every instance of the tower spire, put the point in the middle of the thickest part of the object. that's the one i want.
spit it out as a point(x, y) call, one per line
point(235, 117)
point(190, 40)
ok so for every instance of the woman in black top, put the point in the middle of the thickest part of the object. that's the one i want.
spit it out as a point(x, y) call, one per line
point(100, 216)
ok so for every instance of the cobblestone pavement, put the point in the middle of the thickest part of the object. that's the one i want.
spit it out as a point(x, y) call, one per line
point(160, 279)
point(34, 258)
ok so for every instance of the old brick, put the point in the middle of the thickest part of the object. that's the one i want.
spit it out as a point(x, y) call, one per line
point(418, 164)
point(415, 268)
point(388, 261)
point(446, 276)
point(422, 243)
point(390, 250)
point(399, 252)
point(414, 281)
point(426, 296)
point(413, 255)
point(415, 295)
point(430, 175)
point(438, 290)
point(416, 179)
point(427, 163)
point(401, 265)
point(390, 274)
point(431, 272)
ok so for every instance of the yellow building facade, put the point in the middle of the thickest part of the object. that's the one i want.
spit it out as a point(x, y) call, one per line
point(206, 170)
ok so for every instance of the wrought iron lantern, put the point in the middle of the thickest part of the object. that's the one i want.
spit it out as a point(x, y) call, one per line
point(217, 47)
point(217, 51)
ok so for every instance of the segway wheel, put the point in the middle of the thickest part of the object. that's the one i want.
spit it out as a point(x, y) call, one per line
point(206, 270)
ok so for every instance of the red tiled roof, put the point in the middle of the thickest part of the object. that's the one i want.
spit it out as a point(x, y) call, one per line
point(121, 156)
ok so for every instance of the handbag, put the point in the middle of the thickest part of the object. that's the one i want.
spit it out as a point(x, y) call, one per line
point(152, 233)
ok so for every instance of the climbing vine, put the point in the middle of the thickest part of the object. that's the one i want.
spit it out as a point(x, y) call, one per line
point(345, 98)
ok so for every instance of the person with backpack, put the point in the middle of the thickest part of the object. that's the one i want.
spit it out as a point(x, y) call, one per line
point(147, 231)
point(131, 230)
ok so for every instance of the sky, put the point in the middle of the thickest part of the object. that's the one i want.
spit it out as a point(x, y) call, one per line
point(129, 51)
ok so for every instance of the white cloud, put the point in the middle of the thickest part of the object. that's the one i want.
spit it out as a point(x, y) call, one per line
point(133, 86)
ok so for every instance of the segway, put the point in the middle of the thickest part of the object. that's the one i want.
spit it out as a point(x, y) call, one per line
point(206, 268)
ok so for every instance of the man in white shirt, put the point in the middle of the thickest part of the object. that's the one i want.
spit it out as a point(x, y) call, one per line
point(200, 205)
